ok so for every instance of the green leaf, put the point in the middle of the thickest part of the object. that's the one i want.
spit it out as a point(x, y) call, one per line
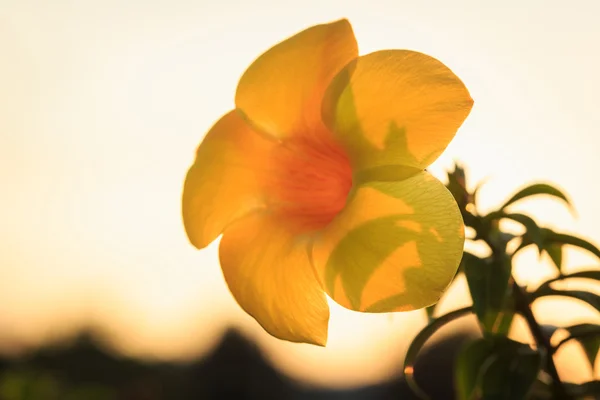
point(536, 189)
point(418, 343)
point(511, 376)
point(471, 363)
point(589, 337)
point(591, 346)
point(525, 241)
point(585, 274)
point(553, 242)
point(429, 311)
point(583, 390)
point(561, 239)
point(533, 231)
point(548, 330)
point(496, 367)
point(555, 252)
point(488, 284)
point(504, 319)
point(505, 316)
point(591, 298)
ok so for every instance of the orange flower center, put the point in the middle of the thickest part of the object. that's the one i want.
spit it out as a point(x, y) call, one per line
point(308, 182)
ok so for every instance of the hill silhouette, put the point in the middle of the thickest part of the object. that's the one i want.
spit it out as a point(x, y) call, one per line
point(85, 369)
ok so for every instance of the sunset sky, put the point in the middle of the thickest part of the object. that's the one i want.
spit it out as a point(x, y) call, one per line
point(103, 103)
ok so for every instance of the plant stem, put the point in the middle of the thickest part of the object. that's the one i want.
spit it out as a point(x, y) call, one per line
point(524, 307)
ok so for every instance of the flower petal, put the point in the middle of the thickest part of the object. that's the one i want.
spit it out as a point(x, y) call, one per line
point(396, 246)
point(222, 184)
point(395, 107)
point(281, 92)
point(268, 271)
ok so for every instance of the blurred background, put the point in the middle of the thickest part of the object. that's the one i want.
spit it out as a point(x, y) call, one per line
point(103, 103)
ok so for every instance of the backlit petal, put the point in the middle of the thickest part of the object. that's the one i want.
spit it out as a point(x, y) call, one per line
point(223, 183)
point(268, 271)
point(281, 92)
point(396, 246)
point(395, 107)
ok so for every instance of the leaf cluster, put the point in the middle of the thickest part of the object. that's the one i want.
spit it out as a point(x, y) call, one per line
point(495, 366)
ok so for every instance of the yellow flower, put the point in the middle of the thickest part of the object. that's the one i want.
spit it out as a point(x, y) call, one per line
point(316, 181)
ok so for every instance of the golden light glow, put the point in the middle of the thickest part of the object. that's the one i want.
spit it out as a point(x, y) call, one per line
point(102, 104)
